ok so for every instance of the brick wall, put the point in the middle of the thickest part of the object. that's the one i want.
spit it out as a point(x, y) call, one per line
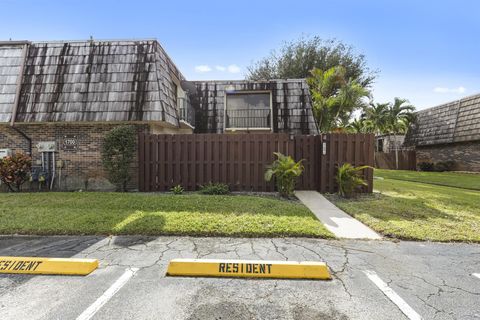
point(466, 155)
point(80, 168)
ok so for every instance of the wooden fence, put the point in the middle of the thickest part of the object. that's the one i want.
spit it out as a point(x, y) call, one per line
point(407, 160)
point(240, 160)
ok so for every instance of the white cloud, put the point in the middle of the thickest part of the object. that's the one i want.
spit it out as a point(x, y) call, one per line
point(449, 90)
point(233, 68)
point(203, 68)
point(220, 68)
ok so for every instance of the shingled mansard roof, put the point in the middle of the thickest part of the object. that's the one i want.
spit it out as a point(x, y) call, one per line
point(457, 121)
point(89, 81)
point(291, 104)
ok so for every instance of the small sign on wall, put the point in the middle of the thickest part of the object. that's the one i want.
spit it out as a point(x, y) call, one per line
point(70, 143)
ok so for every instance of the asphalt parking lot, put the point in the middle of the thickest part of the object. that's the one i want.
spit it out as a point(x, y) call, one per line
point(372, 280)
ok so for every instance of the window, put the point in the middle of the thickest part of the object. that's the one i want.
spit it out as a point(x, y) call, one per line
point(248, 110)
point(380, 145)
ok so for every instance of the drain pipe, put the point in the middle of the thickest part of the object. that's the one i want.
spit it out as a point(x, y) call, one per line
point(17, 95)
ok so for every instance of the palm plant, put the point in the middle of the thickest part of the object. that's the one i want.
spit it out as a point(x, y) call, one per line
point(377, 115)
point(349, 179)
point(334, 97)
point(286, 171)
point(400, 115)
point(358, 125)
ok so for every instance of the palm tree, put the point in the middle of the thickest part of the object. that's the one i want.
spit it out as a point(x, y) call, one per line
point(400, 115)
point(360, 125)
point(334, 97)
point(377, 114)
point(323, 87)
point(350, 97)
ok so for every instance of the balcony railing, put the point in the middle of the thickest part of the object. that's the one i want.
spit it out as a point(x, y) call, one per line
point(186, 111)
point(248, 119)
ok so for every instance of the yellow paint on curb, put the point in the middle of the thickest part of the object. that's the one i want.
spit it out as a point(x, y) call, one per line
point(248, 269)
point(34, 265)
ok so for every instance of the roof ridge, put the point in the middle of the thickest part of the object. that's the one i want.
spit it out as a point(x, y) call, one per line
point(78, 40)
point(476, 95)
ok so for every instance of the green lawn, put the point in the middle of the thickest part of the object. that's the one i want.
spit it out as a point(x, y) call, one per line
point(452, 179)
point(420, 211)
point(155, 214)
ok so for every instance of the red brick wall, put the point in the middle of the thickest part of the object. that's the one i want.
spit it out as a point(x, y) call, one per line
point(81, 168)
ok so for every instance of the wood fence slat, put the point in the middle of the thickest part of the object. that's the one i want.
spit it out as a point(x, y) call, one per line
point(240, 160)
point(141, 160)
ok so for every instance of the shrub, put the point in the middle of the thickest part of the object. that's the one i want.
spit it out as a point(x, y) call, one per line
point(444, 166)
point(215, 188)
point(285, 170)
point(117, 155)
point(15, 170)
point(178, 189)
point(425, 166)
point(349, 179)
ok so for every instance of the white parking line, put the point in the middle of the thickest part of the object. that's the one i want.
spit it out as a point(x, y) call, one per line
point(476, 275)
point(393, 296)
point(107, 295)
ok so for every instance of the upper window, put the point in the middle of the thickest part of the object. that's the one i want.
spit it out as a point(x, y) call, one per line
point(248, 110)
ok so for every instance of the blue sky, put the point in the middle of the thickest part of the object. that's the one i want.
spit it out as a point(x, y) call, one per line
point(425, 51)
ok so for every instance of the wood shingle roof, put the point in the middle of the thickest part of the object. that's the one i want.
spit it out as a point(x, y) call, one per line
point(457, 121)
point(89, 81)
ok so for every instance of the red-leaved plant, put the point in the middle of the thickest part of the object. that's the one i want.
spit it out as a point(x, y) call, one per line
point(15, 170)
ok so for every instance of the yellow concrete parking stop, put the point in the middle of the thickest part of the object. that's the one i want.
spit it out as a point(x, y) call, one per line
point(248, 269)
point(36, 265)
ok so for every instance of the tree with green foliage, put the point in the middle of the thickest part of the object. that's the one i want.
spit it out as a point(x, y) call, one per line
point(334, 97)
point(385, 118)
point(376, 114)
point(359, 125)
point(295, 59)
point(400, 115)
point(118, 153)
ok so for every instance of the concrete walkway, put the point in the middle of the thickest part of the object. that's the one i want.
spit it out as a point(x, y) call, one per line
point(335, 220)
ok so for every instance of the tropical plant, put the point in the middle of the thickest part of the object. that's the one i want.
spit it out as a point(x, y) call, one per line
point(15, 170)
point(400, 115)
point(297, 58)
point(360, 125)
point(376, 114)
point(334, 97)
point(349, 179)
point(178, 189)
point(214, 189)
point(285, 170)
point(117, 154)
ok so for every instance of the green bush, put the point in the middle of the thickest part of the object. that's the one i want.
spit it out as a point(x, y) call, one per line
point(444, 166)
point(117, 154)
point(349, 179)
point(285, 170)
point(214, 188)
point(178, 189)
point(15, 170)
point(425, 166)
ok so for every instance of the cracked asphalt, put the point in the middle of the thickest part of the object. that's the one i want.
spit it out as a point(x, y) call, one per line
point(435, 279)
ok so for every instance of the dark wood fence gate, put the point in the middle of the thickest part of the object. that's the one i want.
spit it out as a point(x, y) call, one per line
point(240, 160)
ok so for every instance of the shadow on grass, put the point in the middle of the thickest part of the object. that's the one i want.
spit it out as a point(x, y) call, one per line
point(395, 208)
